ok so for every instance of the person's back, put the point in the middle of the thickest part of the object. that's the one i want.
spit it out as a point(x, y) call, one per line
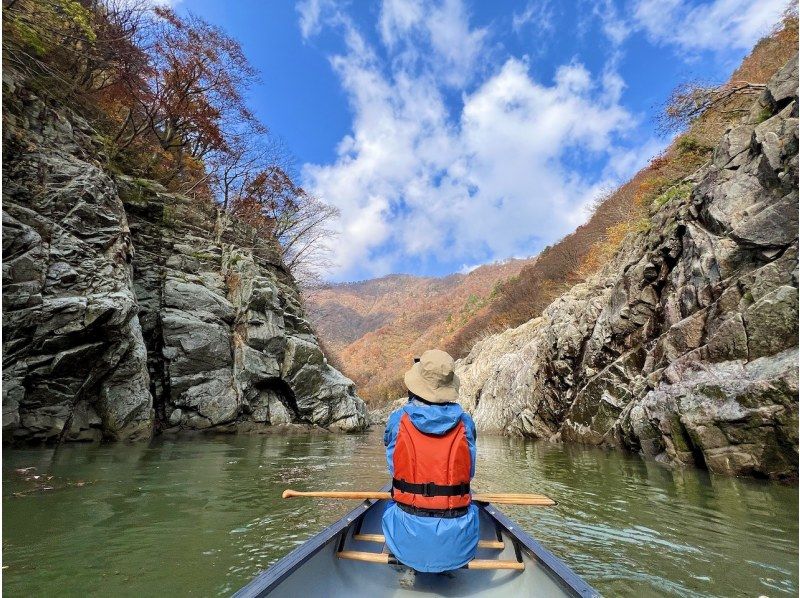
point(431, 525)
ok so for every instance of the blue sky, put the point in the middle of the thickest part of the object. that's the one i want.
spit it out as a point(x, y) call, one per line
point(451, 133)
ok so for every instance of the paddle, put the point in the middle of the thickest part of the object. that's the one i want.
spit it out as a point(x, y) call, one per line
point(534, 500)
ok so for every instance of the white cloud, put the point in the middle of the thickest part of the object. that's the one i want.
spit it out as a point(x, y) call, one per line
point(420, 180)
point(452, 37)
point(614, 26)
point(716, 25)
point(398, 17)
point(433, 36)
point(312, 14)
point(538, 13)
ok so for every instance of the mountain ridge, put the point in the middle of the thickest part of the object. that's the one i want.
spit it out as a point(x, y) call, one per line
point(371, 325)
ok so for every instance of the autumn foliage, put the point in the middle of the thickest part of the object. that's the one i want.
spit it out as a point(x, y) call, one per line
point(374, 328)
point(167, 93)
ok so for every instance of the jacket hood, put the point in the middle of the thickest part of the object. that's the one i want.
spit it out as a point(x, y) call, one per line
point(434, 419)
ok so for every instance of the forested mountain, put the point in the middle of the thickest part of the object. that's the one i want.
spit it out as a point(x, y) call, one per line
point(375, 327)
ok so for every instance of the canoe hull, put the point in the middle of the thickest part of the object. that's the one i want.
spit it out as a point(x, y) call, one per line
point(314, 568)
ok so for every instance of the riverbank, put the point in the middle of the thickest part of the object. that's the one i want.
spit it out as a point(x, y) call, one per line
point(201, 517)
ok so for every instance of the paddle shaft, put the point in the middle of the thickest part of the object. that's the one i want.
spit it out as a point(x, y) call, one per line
point(537, 500)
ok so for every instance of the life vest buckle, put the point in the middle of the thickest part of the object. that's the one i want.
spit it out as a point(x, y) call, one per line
point(429, 489)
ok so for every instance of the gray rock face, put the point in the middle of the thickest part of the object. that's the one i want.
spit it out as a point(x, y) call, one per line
point(230, 346)
point(73, 354)
point(731, 416)
point(684, 347)
point(127, 309)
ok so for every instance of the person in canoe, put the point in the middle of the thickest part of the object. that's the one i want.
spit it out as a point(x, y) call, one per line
point(431, 525)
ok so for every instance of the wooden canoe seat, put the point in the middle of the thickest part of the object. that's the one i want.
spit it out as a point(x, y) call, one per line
point(384, 558)
point(496, 544)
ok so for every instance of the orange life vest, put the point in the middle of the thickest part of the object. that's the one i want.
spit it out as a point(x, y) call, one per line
point(431, 473)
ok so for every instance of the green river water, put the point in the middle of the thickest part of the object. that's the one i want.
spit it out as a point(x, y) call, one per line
point(202, 516)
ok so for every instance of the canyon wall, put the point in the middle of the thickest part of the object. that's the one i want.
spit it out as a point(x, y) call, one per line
point(685, 346)
point(129, 310)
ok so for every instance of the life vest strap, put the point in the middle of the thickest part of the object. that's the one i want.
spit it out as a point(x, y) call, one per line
point(442, 513)
point(430, 489)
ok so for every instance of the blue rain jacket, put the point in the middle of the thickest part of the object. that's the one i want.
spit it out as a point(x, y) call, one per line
point(430, 544)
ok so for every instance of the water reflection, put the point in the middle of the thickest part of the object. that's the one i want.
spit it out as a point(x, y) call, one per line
point(203, 516)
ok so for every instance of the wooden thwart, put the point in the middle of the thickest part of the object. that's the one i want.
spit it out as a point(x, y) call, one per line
point(383, 558)
point(381, 539)
point(534, 500)
point(367, 557)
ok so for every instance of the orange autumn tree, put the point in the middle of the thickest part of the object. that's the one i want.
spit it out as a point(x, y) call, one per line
point(195, 91)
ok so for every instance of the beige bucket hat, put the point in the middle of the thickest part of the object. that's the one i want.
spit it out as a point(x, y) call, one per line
point(433, 377)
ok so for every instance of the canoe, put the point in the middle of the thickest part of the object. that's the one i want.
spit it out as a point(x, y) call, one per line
point(347, 559)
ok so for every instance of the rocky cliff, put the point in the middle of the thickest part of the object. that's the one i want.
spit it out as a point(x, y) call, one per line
point(684, 347)
point(128, 310)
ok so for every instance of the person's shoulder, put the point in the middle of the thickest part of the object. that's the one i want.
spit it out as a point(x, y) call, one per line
point(468, 421)
point(394, 416)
